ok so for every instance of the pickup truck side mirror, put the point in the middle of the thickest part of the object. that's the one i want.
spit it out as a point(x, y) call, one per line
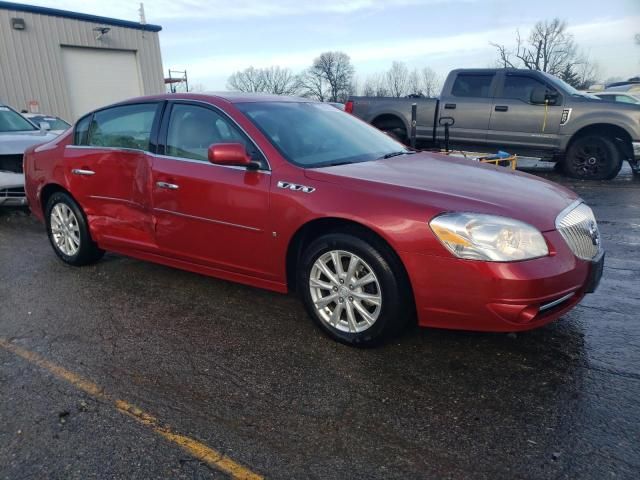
point(542, 95)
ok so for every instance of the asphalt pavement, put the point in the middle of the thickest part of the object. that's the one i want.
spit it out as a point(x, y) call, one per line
point(244, 373)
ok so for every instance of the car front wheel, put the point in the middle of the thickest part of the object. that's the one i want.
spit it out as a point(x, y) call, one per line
point(68, 231)
point(593, 157)
point(354, 289)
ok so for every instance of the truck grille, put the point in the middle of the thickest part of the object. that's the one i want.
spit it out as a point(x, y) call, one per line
point(15, 192)
point(578, 227)
point(11, 163)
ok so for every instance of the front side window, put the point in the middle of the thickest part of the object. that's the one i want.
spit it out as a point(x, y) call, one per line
point(193, 129)
point(12, 121)
point(311, 135)
point(472, 85)
point(519, 87)
point(127, 126)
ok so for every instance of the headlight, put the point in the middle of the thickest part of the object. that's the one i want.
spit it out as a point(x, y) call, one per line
point(476, 236)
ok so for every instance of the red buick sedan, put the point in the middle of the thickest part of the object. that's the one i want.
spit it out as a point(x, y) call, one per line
point(290, 194)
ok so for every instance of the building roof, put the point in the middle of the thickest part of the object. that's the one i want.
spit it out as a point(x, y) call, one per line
point(54, 12)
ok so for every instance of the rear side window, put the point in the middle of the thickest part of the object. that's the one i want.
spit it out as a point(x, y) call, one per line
point(519, 87)
point(128, 126)
point(81, 134)
point(472, 85)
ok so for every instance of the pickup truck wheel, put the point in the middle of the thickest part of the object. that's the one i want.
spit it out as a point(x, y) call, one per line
point(398, 134)
point(353, 290)
point(593, 157)
point(68, 231)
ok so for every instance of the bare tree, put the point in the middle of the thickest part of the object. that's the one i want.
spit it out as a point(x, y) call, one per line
point(248, 80)
point(376, 86)
point(314, 85)
point(280, 81)
point(329, 78)
point(414, 83)
point(548, 48)
point(276, 80)
point(431, 83)
point(397, 79)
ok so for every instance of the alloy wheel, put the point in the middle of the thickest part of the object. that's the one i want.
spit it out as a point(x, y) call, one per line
point(65, 229)
point(345, 291)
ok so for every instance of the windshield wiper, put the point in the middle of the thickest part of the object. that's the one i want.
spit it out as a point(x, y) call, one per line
point(395, 154)
point(332, 164)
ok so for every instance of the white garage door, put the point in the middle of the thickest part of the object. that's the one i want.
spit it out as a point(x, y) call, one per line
point(97, 77)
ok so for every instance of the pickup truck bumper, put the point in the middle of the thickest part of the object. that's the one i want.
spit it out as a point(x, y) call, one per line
point(500, 297)
point(636, 150)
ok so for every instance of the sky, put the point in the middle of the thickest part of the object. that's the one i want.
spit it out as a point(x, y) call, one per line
point(213, 38)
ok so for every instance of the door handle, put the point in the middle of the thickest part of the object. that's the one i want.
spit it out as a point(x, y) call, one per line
point(501, 108)
point(450, 106)
point(82, 171)
point(168, 186)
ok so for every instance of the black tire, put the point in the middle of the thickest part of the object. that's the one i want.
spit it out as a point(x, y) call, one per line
point(593, 157)
point(399, 134)
point(396, 299)
point(87, 252)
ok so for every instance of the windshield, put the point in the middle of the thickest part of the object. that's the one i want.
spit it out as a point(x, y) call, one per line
point(314, 135)
point(54, 122)
point(11, 121)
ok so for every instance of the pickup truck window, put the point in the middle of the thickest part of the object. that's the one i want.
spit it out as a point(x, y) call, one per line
point(475, 85)
point(519, 87)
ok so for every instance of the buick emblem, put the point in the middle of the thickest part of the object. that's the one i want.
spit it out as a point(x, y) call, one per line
point(594, 233)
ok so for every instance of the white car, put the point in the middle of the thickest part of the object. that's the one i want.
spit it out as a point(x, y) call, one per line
point(623, 97)
point(16, 135)
point(48, 122)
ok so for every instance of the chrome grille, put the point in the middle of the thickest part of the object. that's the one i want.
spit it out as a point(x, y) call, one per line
point(579, 228)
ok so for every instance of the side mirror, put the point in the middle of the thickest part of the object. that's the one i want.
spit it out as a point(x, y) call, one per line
point(231, 154)
point(542, 95)
point(45, 126)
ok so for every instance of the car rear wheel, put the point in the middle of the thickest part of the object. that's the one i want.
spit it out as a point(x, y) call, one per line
point(354, 289)
point(68, 231)
point(593, 157)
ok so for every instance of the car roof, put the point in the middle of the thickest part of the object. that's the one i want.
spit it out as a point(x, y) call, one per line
point(230, 97)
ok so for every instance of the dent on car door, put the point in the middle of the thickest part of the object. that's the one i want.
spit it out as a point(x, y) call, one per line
point(109, 170)
point(469, 104)
point(209, 214)
point(518, 122)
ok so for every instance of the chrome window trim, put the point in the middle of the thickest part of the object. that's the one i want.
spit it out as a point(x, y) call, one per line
point(211, 220)
point(206, 162)
point(173, 101)
point(110, 149)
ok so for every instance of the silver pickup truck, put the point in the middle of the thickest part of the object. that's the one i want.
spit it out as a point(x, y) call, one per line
point(525, 112)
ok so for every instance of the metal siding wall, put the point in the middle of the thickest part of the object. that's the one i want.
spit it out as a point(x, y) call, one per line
point(31, 59)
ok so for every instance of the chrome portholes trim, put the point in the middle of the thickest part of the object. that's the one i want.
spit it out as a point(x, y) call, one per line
point(65, 229)
point(295, 187)
point(211, 220)
point(345, 291)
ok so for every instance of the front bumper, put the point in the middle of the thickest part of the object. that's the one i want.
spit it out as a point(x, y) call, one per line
point(500, 297)
point(636, 150)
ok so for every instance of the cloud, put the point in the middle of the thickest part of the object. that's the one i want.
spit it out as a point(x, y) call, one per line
point(159, 10)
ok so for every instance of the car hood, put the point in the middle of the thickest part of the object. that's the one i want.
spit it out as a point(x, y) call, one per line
point(12, 143)
point(11, 180)
point(456, 184)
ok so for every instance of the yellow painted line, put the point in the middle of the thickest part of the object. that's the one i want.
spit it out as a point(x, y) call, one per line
point(193, 447)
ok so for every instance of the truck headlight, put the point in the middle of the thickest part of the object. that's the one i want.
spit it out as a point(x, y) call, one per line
point(477, 236)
